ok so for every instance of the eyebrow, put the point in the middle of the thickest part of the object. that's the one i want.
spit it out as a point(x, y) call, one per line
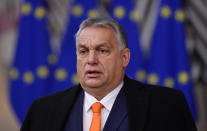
point(96, 47)
point(81, 46)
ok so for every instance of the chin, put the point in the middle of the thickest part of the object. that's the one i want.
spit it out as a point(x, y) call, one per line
point(93, 83)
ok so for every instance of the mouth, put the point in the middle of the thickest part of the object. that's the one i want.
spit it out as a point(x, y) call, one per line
point(93, 74)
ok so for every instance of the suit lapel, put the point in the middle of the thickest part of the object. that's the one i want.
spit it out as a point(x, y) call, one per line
point(117, 114)
point(62, 108)
point(75, 118)
point(137, 100)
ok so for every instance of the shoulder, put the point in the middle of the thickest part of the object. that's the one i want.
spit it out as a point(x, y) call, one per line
point(154, 91)
point(161, 91)
point(163, 105)
point(57, 97)
point(43, 109)
point(46, 104)
point(158, 97)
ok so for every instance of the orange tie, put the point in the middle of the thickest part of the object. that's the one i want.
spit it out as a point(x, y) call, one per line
point(96, 121)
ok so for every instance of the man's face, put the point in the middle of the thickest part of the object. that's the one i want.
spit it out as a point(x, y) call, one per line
point(100, 62)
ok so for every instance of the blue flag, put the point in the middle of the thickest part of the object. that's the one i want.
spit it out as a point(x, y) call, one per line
point(169, 60)
point(124, 12)
point(30, 73)
point(66, 74)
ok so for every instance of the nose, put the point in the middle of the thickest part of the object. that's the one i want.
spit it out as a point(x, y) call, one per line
point(92, 58)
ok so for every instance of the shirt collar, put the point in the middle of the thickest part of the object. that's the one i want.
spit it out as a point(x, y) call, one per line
point(107, 101)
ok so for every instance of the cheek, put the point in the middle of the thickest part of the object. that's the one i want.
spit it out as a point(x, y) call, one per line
point(117, 66)
point(80, 62)
point(79, 66)
point(111, 65)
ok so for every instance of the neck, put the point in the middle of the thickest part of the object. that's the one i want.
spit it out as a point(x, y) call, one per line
point(100, 93)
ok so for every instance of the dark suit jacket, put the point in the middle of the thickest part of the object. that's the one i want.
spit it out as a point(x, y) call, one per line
point(150, 108)
point(117, 120)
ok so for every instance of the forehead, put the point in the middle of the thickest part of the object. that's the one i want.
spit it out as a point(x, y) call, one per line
point(97, 35)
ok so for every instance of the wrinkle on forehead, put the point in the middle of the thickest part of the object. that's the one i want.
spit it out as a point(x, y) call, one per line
point(97, 36)
point(96, 46)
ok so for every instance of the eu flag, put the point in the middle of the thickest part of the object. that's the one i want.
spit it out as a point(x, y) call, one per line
point(124, 12)
point(169, 60)
point(30, 73)
point(65, 73)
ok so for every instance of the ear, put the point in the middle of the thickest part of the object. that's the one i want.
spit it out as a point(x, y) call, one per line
point(125, 56)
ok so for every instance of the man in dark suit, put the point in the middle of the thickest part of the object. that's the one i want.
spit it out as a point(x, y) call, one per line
point(124, 104)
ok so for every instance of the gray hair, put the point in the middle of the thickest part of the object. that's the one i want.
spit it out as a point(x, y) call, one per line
point(105, 22)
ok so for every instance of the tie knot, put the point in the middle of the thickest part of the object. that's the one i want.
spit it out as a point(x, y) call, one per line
point(96, 107)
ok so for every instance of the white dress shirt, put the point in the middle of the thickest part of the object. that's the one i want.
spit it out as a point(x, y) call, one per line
point(107, 102)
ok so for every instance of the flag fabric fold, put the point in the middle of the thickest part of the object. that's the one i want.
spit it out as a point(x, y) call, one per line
point(169, 61)
point(65, 74)
point(124, 12)
point(29, 75)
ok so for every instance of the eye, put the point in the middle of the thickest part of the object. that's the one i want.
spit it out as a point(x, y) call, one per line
point(102, 50)
point(82, 51)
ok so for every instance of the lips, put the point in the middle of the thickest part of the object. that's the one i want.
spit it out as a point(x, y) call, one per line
point(93, 73)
